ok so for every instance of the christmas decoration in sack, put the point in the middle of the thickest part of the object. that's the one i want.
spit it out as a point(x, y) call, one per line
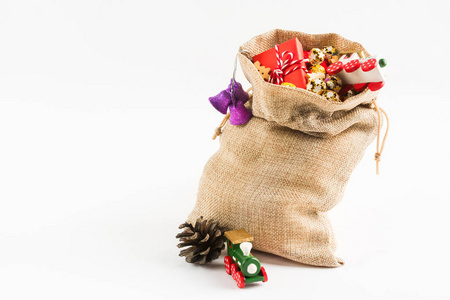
point(278, 174)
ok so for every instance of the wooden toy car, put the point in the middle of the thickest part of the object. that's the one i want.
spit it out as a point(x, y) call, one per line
point(360, 72)
point(240, 263)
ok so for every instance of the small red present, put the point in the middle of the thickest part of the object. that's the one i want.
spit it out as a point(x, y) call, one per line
point(285, 62)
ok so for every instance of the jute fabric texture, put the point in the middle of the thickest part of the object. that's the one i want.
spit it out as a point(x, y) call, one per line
point(277, 175)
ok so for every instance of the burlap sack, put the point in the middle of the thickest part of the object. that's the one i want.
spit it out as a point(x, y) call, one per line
point(279, 174)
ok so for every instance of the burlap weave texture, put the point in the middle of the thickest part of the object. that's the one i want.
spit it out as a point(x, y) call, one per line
point(279, 174)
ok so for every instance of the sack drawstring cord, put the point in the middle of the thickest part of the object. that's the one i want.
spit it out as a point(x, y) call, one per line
point(218, 130)
point(380, 113)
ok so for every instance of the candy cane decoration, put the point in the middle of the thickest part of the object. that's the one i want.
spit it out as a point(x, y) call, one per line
point(277, 75)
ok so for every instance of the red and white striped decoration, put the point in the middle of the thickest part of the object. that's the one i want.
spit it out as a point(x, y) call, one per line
point(277, 75)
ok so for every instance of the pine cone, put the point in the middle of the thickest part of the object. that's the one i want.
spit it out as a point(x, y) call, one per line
point(205, 238)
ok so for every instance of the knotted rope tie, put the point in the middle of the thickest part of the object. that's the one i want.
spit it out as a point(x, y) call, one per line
point(380, 149)
point(277, 75)
point(218, 130)
point(377, 157)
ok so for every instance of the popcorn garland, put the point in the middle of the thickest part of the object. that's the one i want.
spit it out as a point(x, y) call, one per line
point(331, 54)
point(334, 83)
point(317, 86)
point(328, 88)
point(331, 95)
point(316, 56)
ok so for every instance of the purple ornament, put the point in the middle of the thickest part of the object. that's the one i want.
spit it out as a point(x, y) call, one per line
point(239, 114)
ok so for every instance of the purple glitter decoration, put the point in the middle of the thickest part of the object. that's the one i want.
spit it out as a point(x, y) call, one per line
point(239, 114)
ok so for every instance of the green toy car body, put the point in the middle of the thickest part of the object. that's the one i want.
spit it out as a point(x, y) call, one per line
point(240, 263)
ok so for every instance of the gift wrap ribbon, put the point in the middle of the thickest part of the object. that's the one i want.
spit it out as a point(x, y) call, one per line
point(278, 74)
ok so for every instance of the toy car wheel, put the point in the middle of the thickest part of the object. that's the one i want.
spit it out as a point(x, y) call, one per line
point(234, 270)
point(240, 279)
point(375, 86)
point(360, 86)
point(352, 66)
point(263, 271)
point(227, 262)
point(335, 68)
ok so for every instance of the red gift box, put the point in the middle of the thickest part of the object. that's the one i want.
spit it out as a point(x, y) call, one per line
point(268, 59)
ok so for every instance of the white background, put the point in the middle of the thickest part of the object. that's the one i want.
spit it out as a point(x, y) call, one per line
point(105, 127)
